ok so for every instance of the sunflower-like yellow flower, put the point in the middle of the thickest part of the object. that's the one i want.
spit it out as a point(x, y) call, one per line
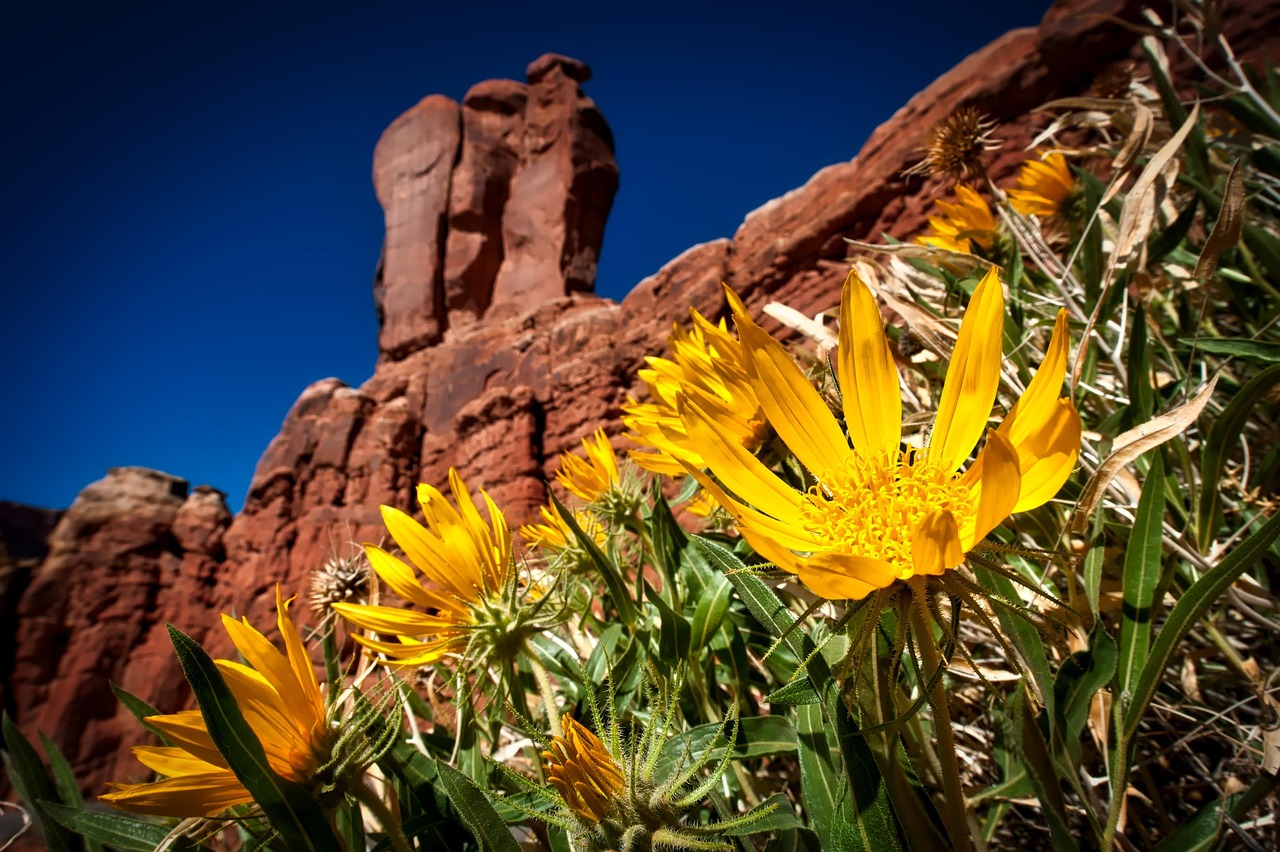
point(282, 702)
point(878, 513)
point(467, 561)
point(583, 772)
point(1044, 186)
point(592, 477)
point(958, 226)
point(555, 533)
point(707, 357)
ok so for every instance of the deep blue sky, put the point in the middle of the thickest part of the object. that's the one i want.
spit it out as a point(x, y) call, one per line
point(189, 228)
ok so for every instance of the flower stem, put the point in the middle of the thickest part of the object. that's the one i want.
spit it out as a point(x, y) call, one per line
point(366, 796)
point(952, 790)
point(545, 688)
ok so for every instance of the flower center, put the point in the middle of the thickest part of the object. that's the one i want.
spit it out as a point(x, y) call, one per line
point(873, 505)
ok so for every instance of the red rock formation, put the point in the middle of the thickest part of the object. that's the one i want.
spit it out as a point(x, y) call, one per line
point(136, 548)
point(492, 358)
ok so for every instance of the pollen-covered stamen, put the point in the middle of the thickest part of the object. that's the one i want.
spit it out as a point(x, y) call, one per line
point(873, 504)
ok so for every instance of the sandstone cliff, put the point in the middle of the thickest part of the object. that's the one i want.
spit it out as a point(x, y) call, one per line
point(494, 355)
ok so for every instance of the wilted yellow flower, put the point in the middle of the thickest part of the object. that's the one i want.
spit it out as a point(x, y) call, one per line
point(468, 562)
point(555, 533)
point(282, 702)
point(1044, 186)
point(708, 360)
point(878, 513)
point(582, 770)
point(592, 477)
point(969, 220)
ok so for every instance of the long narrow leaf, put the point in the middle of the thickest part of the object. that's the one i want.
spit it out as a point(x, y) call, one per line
point(476, 811)
point(117, 830)
point(1142, 564)
point(612, 577)
point(33, 785)
point(1189, 609)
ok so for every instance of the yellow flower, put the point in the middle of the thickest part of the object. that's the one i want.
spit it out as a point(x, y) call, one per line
point(701, 505)
point(1044, 186)
point(878, 513)
point(594, 476)
point(707, 358)
point(555, 533)
point(282, 702)
point(960, 225)
point(585, 774)
point(467, 561)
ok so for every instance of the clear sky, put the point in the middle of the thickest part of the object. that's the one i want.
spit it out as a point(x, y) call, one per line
point(190, 231)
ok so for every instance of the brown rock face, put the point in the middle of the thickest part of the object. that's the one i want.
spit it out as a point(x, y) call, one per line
point(493, 207)
point(493, 357)
point(135, 549)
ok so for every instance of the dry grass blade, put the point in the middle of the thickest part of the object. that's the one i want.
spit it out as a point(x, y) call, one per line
point(1135, 144)
point(809, 327)
point(1137, 218)
point(1134, 443)
point(1226, 231)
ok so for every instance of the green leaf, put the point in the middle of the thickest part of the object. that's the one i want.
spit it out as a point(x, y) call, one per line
point(1027, 638)
point(1189, 609)
point(674, 632)
point(758, 736)
point(1079, 677)
point(117, 830)
point(820, 779)
point(668, 539)
point(612, 576)
point(1263, 351)
point(1093, 561)
point(708, 614)
point(33, 785)
point(288, 806)
point(870, 817)
point(797, 692)
point(783, 818)
point(476, 811)
point(64, 779)
point(140, 710)
point(1142, 568)
point(1221, 441)
point(1032, 749)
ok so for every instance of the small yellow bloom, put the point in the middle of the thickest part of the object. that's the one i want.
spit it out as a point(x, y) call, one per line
point(705, 359)
point(280, 699)
point(594, 476)
point(1044, 186)
point(880, 513)
point(555, 533)
point(585, 774)
point(467, 562)
point(958, 226)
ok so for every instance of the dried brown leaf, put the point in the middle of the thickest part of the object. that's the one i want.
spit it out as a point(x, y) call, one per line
point(1134, 443)
point(1143, 123)
point(1226, 231)
point(1138, 215)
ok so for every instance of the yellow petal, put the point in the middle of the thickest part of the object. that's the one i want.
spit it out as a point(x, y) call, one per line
point(187, 731)
point(841, 576)
point(169, 760)
point(393, 621)
point(935, 546)
point(1048, 457)
point(973, 376)
point(271, 664)
point(779, 532)
point(300, 661)
point(401, 579)
point(186, 796)
point(1035, 405)
point(429, 552)
point(792, 406)
point(738, 469)
point(998, 480)
point(869, 386)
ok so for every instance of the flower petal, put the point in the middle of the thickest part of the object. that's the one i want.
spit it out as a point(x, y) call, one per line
point(186, 796)
point(997, 480)
point(935, 546)
point(794, 409)
point(973, 377)
point(869, 386)
point(738, 469)
point(392, 620)
point(842, 576)
point(1048, 457)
